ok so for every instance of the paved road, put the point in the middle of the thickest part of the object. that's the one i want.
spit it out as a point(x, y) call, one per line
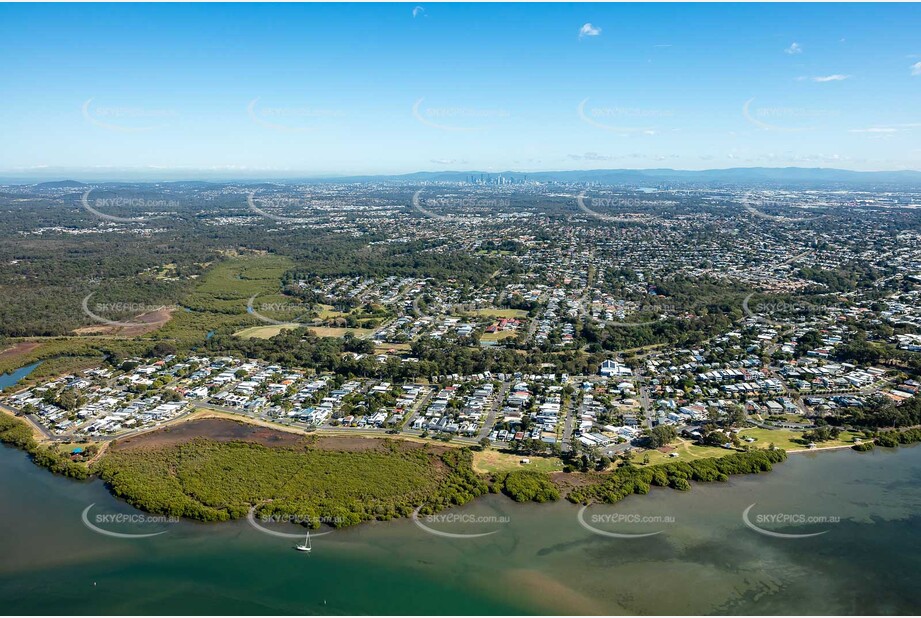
point(416, 308)
point(644, 397)
point(494, 410)
point(31, 420)
point(454, 439)
point(36, 422)
point(569, 421)
point(532, 328)
point(419, 406)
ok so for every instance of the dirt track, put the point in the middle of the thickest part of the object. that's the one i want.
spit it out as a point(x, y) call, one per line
point(139, 325)
point(230, 430)
point(23, 347)
point(217, 429)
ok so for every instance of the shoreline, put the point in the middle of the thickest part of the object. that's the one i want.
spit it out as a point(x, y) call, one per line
point(823, 448)
point(204, 411)
point(562, 499)
point(495, 481)
point(40, 436)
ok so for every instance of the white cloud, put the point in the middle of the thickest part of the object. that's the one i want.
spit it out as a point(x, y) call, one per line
point(894, 128)
point(916, 68)
point(874, 130)
point(794, 49)
point(597, 157)
point(418, 10)
point(589, 30)
point(830, 78)
point(592, 156)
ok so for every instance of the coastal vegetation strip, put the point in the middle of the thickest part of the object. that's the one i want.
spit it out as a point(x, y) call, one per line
point(895, 438)
point(215, 469)
point(627, 480)
point(315, 480)
point(529, 486)
point(18, 433)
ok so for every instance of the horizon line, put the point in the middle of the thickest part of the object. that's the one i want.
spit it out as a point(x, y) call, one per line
point(230, 174)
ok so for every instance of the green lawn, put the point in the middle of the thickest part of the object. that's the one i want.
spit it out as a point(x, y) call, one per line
point(499, 336)
point(328, 312)
point(220, 297)
point(491, 461)
point(791, 439)
point(493, 312)
point(263, 332)
point(687, 451)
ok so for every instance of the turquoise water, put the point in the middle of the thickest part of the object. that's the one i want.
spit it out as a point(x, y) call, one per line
point(11, 379)
point(538, 561)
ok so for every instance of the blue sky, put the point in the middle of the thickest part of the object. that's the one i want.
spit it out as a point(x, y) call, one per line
point(390, 88)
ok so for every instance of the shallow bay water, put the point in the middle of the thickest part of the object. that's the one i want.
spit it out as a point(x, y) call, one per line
point(703, 558)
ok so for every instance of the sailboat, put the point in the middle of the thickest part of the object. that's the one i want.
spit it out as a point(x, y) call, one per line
point(306, 545)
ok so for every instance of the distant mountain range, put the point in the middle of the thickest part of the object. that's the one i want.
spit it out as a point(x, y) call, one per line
point(729, 176)
point(60, 184)
point(737, 176)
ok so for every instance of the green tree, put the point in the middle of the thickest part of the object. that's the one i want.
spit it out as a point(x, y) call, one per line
point(660, 435)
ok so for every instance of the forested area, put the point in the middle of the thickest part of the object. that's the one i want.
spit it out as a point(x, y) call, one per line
point(882, 412)
point(301, 347)
point(16, 432)
point(528, 486)
point(55, 253)
point(631, 479)
point(214, 481)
